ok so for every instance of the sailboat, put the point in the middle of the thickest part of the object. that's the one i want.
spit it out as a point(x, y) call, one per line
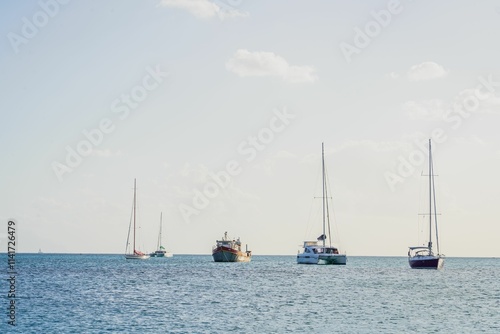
point(160, 250)
point(317, 252)
point(135, 254)
point(423, 257)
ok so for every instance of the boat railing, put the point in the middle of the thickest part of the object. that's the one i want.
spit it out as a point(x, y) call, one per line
point(310, 243)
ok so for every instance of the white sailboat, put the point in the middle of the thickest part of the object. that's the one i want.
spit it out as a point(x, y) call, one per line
point(133, 253)
point(423, 257)
point(160, 250)
point(315, 252)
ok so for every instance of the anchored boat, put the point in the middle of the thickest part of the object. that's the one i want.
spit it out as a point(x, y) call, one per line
point(160, 250)
point(317, 252)
point(132, 253)
point(229, 250)
point(423, 257)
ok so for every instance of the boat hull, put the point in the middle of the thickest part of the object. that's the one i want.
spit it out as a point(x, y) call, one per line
point(426, 262)
point(224, 254)
point(136, 257)
point(324, 259)
point(161, 254)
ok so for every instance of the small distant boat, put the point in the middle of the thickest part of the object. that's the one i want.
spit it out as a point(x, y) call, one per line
point(421, 257)
point(40, 251)
point(134, 254)
point(160, 250)
point(319, 253)
point(229, 250)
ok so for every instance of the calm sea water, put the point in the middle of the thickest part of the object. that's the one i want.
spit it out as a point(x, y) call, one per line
point(271, 294)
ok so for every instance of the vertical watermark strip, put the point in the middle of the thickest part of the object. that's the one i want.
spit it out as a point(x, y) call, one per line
point(11, 272)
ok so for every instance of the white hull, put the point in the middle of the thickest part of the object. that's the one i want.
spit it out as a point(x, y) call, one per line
point(161, 254)
point(335, 259)
point(136, 257)
point(317, 251)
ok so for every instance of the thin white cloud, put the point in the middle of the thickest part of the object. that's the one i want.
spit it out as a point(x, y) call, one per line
point(204, 9)
point(469, 140)
point(102, 153)
point(269, 165)
point(393, 75)
point(285, 155)
point(260, 64)
point(105, 153)
point(467, 101)
point(434, 109)
point(478, 102)
point(376, 146)
point(426, 71)
point(369, 144)
point(52, 203)
point(199, 174)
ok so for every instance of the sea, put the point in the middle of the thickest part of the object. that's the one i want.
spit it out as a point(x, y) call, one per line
point(73, 293)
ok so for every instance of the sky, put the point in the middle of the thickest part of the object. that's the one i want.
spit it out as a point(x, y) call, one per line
point(219, 108)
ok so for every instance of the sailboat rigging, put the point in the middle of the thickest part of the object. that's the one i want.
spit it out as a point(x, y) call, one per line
point(135, 254)
point(314, 253)
point(160, 250)
point(422, 257)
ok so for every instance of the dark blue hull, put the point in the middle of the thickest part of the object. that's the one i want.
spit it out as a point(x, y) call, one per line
point(425, 262)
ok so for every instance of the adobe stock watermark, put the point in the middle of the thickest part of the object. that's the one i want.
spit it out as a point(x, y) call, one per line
point(408, 165)
point(363, 37)
point(31, 26)
point(248, 150)
point(12, 246)
point(121, 108)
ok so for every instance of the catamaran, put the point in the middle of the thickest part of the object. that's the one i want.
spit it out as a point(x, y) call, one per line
point(160, 250)
point(423, 257)
point(317, 252)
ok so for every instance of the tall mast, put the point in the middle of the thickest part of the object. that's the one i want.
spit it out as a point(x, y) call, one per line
point(435, 208)
point(134, 211)
point(430, 198)
point(159, 237)
point(324, 197)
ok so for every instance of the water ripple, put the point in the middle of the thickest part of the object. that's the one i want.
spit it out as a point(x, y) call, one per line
point(271, 294)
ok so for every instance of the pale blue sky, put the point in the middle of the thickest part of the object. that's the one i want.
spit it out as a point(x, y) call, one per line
point(232, 65)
